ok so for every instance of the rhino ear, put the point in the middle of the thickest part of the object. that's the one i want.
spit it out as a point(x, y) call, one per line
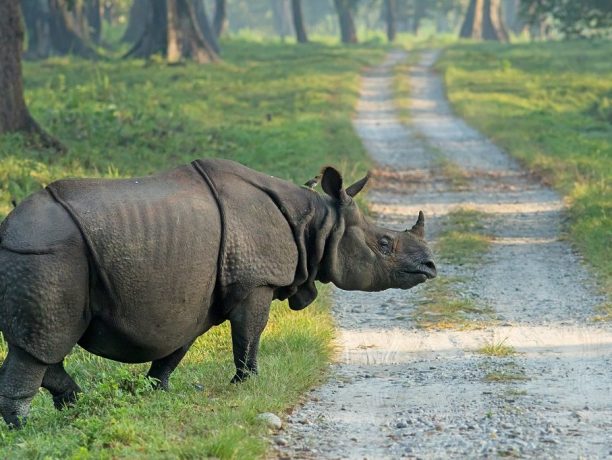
point(354, 189)
point(331, 182)
point(419, 228)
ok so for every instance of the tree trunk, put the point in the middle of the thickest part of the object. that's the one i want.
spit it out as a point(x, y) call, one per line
point(138, 17)
point(94, 20)
point(36, 18)
point(63, 33)
point(298, 21)
point(390, 14)
point(185, 39)
point(219, 18)
point(172, 29)
point(154, 37)
point(483, 21)
point(348, 32)
point(14, 115)
point(281, 13)
point(206, 27)
point(494, 28)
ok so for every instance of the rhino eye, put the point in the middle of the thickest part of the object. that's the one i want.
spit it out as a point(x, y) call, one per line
point(385, 245)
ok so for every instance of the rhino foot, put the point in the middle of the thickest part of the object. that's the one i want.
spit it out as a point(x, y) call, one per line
point(159, 384)
point(66, 399)
point(15, 411)
point(242, 375)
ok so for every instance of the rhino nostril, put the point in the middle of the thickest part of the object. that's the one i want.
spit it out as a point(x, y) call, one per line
point(430, 265)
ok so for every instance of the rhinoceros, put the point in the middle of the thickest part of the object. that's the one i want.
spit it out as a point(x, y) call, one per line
point(135, 270)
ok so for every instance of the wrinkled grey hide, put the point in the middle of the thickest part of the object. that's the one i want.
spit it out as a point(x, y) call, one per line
point(136, 269)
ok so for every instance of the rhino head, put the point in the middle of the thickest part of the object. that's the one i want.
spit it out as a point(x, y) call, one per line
point(363, 256)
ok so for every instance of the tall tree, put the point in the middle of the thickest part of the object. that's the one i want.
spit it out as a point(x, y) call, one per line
point(219, 20)
point(348, 33)
point(483, 21)
point(14, 114)
point(206, 26)
point(57, 27)
point(298, 21)
point(390, 16)
point(94, 20)
point(137, 18)
point(173, 30)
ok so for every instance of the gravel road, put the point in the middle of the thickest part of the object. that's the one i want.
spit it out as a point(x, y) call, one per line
point(397, 391)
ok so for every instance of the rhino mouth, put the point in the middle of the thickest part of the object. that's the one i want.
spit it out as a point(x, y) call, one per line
point(420, 274)
point(427, 273)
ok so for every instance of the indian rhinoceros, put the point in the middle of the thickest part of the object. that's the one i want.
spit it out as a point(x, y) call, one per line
point(135, 270)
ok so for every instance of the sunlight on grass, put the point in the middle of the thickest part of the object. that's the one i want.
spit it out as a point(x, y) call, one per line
point(463, 239)
point(497, 348)
point(281, 109)
point(548, 104)
point(442, 308)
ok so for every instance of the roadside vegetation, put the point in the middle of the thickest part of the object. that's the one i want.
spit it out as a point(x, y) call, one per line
point(463, 241)
point(497, 348)
point(549, 105)
point(281, 109)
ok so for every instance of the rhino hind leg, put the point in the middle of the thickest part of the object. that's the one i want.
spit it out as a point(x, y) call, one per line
point(162, 368)
point(20, 378)
point(248, 321)
point(62, 387)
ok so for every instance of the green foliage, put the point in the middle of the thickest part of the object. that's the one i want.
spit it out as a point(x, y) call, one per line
point(545, 103)
point(281, 109)
point(463, 239)
point(573, 18)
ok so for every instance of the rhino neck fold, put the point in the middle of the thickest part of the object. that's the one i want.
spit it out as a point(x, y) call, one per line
point(310, 218)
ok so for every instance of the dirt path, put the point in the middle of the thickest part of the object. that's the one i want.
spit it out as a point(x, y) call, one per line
point(398, 391)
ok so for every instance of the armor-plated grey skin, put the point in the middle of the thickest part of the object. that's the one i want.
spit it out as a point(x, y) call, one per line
point(136, 269)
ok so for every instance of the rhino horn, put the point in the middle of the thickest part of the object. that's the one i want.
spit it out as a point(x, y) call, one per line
point(354, 189)
point(419, 228)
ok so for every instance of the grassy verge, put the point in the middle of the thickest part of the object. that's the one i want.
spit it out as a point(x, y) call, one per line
point(462, 241)
point(441, 308)
point(280, 109)
point(548, 104)
point(499, 349)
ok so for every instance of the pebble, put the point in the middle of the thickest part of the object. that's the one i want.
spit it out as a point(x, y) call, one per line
point(280, 441)
point(271, 420)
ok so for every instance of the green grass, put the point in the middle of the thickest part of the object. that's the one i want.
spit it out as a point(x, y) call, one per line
point(441, 308)
point(499, 349)
point(282, 109)
point(549, 105)
point(503, 376)
point(463, 239)
point(279, 108)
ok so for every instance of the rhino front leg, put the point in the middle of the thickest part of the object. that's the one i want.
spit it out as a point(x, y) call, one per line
point(20, 377)
point(63, 389)
point(248, 321)
point(162, 368)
